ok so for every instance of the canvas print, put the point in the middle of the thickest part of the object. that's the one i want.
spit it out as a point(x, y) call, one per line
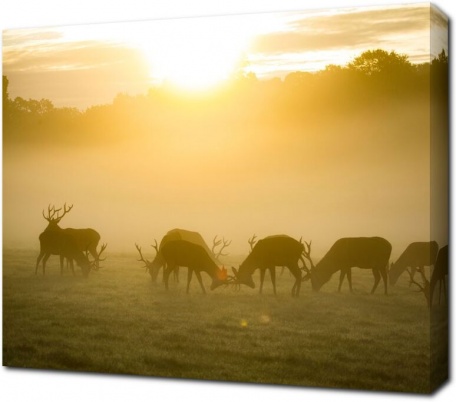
point(258, 198)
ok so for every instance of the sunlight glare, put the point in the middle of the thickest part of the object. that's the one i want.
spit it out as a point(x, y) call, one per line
point(196, 53)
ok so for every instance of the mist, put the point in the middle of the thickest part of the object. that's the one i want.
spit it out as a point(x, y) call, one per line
point(360, 173)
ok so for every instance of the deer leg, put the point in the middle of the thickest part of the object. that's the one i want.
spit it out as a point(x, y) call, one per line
point(200, 280)
point(412, 275)
point(384, 274)
point(349, 277)
point(166, 272)
point(46, 257)
point(262, 272)
point(296, 271)
point(341, 278)
point(273, 279)
point(42, 253)
point(61, 263)
point(189, 278)
point(376, 280)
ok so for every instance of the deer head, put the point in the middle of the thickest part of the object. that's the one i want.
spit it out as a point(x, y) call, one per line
point(54, 216)
point(94, 265)
point(154, 266)
point(148, 264)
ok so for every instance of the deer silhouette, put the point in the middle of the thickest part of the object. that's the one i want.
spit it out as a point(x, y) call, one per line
point(154, 266)
point(363, 252)
point(67, 243)
point(416, 255)
point(266, 254)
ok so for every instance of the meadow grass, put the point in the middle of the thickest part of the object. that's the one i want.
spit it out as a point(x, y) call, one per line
point(118, 321)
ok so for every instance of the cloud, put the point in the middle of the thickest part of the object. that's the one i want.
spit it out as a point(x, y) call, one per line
point(66, 56)
point(345, 29)
point(26, 37)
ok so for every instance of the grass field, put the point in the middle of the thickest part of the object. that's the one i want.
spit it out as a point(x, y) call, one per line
point(118, 321)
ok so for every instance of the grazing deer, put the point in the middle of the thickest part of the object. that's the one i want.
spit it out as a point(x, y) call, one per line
point(85, 239)
point(416, 255)
point(57, 242)
point(153, 267)
point(272, 251)
point(363, 252)
point(196, 258)
point(439, 274)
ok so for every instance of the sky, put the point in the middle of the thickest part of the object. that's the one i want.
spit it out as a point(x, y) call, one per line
point(41, 386)
point(225, 179)
point(83, 65)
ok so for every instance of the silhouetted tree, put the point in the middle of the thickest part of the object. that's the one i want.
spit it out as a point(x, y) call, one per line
point(380, 62)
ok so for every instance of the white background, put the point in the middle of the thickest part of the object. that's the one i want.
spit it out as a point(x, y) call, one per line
point(28, 385)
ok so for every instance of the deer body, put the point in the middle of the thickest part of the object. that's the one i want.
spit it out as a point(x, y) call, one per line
point(362, 252)
point(416, 255)
point(86, 240)
point(58, 242)
point(193, 256)
point(173, 235)
point(67, 243)
point(272, 251)
point(439, 273)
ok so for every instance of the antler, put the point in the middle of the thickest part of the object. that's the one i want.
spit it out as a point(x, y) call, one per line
point(96, 264)
point(306, 254)
point(147, 262)
point(52, 211)
point(225, 243)
point(232, 281)
point(424, 287)
point(252, 241)
point(155, 246)
point(103, 248)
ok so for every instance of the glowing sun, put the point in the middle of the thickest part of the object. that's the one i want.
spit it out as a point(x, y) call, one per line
point(195, 53)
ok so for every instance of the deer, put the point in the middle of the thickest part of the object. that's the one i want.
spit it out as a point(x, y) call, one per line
point(416, 255)
point(267, 253)
point(363, 252)
point(439, 274)
point(65, 245)
point(196, 258)
point(51, 244)
point(153, 267)
point(85, 239)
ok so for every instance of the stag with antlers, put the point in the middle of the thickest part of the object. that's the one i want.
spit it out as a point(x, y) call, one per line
point(159, 261)
point(272, 251)
point(67, 242)
point(363, 252)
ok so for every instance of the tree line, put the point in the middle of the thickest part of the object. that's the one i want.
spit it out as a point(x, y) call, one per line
point(368, 81)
